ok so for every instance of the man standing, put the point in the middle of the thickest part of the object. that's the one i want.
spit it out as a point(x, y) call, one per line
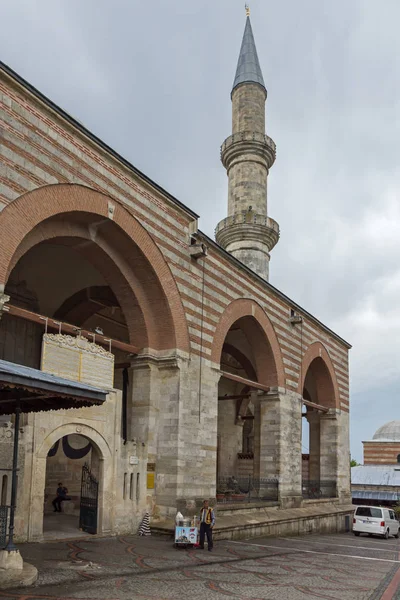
point(207, 522)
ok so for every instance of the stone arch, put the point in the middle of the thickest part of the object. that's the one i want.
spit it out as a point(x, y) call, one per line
point(253, 319)
point(317, 359)
point(75, 211)
point(106, 477)
point(75, 428)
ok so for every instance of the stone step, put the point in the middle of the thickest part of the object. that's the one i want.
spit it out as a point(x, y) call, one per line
point(267, 521)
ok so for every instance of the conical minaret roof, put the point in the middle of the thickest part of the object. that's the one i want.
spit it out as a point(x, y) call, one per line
point(248, 68)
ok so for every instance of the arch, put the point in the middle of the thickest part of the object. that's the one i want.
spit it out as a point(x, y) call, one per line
point(106, 478)
point(72, 210)
point(317, 358)
point(257, 325)
point(75, 428)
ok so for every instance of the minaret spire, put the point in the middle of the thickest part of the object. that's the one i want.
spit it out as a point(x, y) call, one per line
point(248, 67)
point(248, 232)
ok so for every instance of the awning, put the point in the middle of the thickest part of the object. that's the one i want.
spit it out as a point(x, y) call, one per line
point(36, 390)
point(375, 495)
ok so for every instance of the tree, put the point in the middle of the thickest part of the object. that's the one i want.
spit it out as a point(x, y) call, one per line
point(354, 463)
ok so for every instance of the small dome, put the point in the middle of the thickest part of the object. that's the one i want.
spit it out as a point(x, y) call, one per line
point(388, 432)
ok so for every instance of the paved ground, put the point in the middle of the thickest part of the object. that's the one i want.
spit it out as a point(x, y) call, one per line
point(333, 567)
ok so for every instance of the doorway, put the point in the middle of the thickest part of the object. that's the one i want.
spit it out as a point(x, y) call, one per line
point(71, 462)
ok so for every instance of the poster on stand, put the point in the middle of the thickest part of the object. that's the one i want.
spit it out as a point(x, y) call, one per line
point(186, 535)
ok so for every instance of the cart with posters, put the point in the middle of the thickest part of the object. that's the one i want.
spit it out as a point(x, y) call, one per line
point(185, 536)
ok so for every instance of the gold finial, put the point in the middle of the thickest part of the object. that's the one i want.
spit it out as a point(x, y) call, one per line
point(247, 7)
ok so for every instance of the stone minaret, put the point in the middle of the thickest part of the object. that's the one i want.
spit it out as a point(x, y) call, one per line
point(248, 233)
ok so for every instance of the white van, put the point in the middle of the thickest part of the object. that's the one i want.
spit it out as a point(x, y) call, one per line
point(375, 520)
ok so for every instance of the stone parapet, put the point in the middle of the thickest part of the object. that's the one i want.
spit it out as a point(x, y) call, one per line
point(259, 229)
point(238, 145)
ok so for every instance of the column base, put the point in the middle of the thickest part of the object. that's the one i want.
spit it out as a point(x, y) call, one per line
point(11, 560)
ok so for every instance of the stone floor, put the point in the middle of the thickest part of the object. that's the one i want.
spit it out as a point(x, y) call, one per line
point(333, 567)
point(61, 525)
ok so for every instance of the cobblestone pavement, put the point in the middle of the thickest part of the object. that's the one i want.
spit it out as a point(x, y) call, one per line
point(333, 567)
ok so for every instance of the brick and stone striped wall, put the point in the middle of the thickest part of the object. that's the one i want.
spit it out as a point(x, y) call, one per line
point(41, 147)
point(381, 453)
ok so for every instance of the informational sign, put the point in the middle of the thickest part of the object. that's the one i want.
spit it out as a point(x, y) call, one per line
point(150, 481)
point(133, 460)
point(78, 359)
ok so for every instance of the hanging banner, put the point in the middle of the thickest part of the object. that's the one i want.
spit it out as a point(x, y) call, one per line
point(78, 359)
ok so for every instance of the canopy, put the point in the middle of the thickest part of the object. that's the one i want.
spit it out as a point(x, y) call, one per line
point(34, 391)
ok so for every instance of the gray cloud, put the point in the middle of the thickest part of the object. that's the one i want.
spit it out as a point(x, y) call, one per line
point(153, 80)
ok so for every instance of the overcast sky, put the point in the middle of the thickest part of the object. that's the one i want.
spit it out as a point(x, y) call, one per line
point(152, 78)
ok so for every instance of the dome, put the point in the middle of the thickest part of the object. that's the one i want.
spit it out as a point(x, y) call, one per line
point(388, 432)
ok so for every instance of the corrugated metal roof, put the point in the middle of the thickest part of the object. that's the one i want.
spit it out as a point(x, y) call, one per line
point(384, 475)
point(37, 375)
point(248, 67)
point(363, 495)
point(34, 390)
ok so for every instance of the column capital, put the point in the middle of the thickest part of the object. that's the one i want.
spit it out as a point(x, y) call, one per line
point(332, 414)
point(148, 359)
point(272, 395)
point(4, 298)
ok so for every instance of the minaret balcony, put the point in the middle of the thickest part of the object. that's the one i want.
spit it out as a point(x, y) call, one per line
point(248, 142)
point(247, 226)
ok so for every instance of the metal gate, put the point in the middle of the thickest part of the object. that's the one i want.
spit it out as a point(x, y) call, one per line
point(4, 514)
point(89, 501)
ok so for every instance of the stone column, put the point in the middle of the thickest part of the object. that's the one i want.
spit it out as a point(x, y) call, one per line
point(313, 418)
point(277, 443)
point(329, 452)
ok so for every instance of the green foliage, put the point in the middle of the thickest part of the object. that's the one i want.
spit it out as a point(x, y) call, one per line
point(353, 462)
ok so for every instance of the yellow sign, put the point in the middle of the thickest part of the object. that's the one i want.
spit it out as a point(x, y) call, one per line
point(150, 481)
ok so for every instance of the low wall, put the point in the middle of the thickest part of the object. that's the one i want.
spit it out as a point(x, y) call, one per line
point(269, 521)
point(333, 523)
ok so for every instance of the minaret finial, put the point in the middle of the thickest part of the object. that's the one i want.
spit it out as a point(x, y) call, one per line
point(247, 7)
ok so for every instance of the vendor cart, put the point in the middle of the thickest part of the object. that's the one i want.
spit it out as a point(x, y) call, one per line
point(185, 536)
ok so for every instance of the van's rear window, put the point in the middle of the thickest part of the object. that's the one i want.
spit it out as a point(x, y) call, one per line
point(369, 511)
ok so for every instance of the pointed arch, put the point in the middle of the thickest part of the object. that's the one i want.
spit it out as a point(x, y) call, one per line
point(124, 249)
point(318, 362)
point(255, 322)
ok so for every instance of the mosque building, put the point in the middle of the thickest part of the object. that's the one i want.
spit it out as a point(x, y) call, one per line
point(377, 481)
point(209, 370)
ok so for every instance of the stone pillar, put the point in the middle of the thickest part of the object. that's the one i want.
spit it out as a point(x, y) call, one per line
point(277, 443)
point(313, 418)
point(144, 405)
point(329, 452)
point(344, 471)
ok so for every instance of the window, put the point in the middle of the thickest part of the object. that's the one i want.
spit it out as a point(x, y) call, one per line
point(398, 458)
point(392, 515)
point(131, 488)
point(124, 492)
point(369, 511)
point(137, 487)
